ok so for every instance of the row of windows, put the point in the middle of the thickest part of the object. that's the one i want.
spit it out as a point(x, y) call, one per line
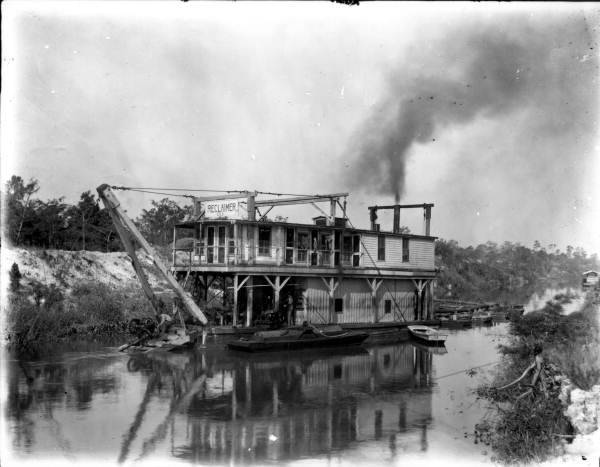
point(381, 249)
point(339, 306)
point(222, 237)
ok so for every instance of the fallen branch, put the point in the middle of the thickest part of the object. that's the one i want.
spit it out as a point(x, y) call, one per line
point(537, 367)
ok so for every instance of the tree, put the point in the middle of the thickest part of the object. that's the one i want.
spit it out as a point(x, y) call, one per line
point(18, 195)
point(157, 224)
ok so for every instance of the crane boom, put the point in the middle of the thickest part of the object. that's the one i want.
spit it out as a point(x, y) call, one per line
point(127, 229)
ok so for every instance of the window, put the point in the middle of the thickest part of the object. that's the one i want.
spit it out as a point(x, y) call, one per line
point(303, 243)
point(381, 248)
point(210, 240)
point(339, 305)
point(356, 250)
point(337, 371)
point(405, 252)
point(388, 307)
point(264, 241)
point(221, 240)
point(230, 234)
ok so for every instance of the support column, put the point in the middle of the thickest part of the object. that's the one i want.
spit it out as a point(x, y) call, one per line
point(249, 300)
point(235, 300)
point(374, 285)
point(331, 285)
point(420, 285)
point(276, 290)
point(237, 286)
point(332, 207)
point(277, 286)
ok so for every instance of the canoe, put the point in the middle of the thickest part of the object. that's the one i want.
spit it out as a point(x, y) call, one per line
point(427, 335)
point(297, 338)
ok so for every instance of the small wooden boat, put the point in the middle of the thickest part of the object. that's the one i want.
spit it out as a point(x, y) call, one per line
point(298, 338)
point(427, 335)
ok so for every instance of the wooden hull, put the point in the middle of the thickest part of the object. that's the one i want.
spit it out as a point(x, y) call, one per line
point(281, 343)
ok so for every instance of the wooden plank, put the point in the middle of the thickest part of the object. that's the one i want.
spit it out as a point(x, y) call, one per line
point(106, 194)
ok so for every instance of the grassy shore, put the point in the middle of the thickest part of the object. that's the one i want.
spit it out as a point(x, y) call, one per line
point(39, 316)
point(532, 427)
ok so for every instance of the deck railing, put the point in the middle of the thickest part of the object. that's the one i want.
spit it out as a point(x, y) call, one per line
point(200, 255)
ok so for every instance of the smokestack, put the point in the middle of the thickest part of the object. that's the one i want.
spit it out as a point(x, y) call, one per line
point(396, 228)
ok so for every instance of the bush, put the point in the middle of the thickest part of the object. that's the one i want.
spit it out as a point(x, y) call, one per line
point(42, 315)
point(524, 429)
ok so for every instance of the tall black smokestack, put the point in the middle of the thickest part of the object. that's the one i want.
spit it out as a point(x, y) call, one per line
point(486, 72)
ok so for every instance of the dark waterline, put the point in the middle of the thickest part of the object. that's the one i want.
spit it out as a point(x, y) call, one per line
point(376, 405)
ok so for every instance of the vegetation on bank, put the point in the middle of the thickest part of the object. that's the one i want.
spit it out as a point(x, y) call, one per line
point(507, 273)
point(531, 427)
point(40, 315)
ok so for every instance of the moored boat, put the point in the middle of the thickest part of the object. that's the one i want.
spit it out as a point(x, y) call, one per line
point(298, 338)
point(427, 335)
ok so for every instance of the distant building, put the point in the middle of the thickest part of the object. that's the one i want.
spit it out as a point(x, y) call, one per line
point(590, 279)
point(323, 272)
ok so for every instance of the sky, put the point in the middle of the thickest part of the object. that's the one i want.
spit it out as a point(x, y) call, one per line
point(489, 111)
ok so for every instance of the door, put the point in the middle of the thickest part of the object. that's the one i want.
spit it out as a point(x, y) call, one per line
point(289, 246)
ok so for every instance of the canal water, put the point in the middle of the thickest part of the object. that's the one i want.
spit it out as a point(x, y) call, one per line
point(377, 405)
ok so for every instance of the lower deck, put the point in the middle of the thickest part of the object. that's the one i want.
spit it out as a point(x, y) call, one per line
point(248, 300)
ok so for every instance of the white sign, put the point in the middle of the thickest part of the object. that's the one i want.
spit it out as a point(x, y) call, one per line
point(229, 208)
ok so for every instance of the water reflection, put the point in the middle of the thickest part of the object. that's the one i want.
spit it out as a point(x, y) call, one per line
point(215, 406)
point(267, 407)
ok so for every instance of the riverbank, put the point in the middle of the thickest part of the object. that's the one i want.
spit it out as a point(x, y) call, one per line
point(553, 409)
point(56, 296)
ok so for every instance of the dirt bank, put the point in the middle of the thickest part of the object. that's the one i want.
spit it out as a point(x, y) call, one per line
point(65, 269)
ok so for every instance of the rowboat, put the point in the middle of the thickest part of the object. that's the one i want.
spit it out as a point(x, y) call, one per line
point(298, 338)
point(427, 335)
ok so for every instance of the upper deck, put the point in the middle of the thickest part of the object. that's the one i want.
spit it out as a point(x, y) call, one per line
point(327, 246)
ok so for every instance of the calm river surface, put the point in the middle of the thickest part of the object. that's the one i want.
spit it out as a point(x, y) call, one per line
point(384, 405)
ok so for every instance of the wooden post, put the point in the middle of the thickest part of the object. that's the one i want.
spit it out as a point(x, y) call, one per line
point(249, 300)
point(396, 227)
point(119, 217)
point(235, 299)
point(374, 285)
point(251, 207)
point(427, 215)
point(331, 285)
point(420, 286)
point(332, 203)
point(277, 286)
point(137, 266)
point(276, 291)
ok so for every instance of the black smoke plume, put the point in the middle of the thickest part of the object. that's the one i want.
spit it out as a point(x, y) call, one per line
point(485, 72)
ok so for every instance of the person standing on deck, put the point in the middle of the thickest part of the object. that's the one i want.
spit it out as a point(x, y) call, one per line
point(290, 309)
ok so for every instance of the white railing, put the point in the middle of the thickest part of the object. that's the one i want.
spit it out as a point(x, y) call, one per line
point(227, 255)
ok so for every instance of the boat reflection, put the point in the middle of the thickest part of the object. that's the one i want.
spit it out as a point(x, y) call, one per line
point(216, 406)
point(246, 409)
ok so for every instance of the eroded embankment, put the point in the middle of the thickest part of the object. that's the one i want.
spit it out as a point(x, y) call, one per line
point(545, 395)
point(56, 295)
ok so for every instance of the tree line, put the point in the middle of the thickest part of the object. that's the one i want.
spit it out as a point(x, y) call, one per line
point(480, 272)
point(56, 224)
point(507, 272)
